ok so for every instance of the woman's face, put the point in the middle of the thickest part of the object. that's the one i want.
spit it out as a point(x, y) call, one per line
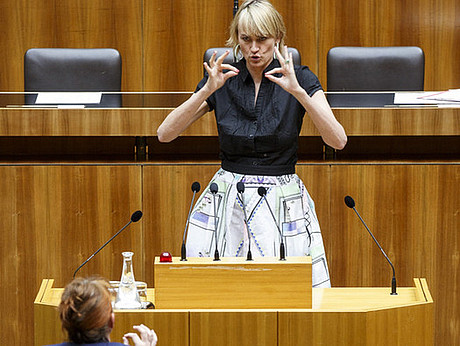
point(257, 50)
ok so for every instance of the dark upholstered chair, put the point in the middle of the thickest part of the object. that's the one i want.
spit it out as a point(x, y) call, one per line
point(73, 69)
point(375, 69)
point(229, 59)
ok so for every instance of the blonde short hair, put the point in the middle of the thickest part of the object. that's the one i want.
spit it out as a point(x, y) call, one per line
point(257, 18)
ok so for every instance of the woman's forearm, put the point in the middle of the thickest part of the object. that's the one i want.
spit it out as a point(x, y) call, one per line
point(183, 116)
point(320, 113)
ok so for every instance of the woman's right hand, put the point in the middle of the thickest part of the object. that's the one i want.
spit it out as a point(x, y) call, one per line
point(147, 338)
point(215, 68)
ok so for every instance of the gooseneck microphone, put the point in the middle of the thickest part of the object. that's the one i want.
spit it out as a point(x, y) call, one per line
point(183, 252)
point(351, 204)
point(214, 189)
point(136, 216)
point(262, 193)
point(240, 189)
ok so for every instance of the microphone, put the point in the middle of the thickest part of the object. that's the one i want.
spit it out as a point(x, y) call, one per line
point(240, 189)
point(136, 216)
point(214, 188)
point(262, 192)
point(351, 204)
point(183, 252)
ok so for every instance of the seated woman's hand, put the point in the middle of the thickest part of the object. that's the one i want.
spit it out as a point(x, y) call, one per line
point(147, 338)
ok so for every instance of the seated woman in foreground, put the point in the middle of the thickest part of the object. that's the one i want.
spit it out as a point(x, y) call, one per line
point(87, 316)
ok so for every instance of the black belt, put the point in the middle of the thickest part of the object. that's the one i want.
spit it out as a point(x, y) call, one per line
point(255, 169)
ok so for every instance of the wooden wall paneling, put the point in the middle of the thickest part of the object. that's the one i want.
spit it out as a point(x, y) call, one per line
point(171, 326)
point(342, 23)
point(25, 24)
point(71, 24)
point(176, 35)
point(444, 204)
point(412, 209)
point(104, 24)
point(55, 217)
point(167, 196)
point(162, 43)
point(427, 23)
point(99, 201)
point(432, 26)
point(217, 328)
point(300, 18)
point(18, 251)
point(316, 178)
point(394, 201)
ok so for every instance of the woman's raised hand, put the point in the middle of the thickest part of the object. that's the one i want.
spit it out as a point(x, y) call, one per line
point(148, 336)
point(215, 69)
point(288, 80)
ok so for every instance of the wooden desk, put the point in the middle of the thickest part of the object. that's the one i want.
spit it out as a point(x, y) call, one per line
point(128, 133)
point(340, 316)
point(142, 113)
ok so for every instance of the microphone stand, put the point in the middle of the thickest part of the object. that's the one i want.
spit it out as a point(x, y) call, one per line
point(240, 188)
point(183, 251)
point(393, 280)
point(351, 204)
point(262, 192)
point(136, 216)
point(214, 189)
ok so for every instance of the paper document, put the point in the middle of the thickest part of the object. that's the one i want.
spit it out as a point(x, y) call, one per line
point(418, 98)
point(76, 98)
point(452, 95)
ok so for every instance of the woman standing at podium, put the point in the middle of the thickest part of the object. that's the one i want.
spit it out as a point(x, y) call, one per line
point(259, 104)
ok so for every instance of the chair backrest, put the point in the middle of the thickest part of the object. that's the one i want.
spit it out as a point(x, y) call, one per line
point(72, 69)
point(375, 69)
point(229, 59)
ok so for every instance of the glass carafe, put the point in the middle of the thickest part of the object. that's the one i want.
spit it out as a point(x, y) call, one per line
point(127, 296)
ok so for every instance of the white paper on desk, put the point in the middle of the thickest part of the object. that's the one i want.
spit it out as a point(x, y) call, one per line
point(76, 98)
point(414, 98)
point(452, 95)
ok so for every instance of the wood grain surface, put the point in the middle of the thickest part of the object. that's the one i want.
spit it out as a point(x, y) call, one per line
point(54, 218)
point(145, 121)
point(162, 42)
point(341, 316)
point(51, 214)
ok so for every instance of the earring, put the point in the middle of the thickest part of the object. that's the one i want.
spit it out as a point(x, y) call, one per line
point(237, 56)
point(277, 45)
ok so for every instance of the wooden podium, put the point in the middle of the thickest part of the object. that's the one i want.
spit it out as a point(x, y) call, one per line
point(338, 316)
point(233, 283)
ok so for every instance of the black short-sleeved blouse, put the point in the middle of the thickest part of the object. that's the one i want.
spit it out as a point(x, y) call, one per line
point(260, 139)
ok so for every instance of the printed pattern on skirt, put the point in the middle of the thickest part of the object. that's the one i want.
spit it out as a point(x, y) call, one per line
point(293, 209)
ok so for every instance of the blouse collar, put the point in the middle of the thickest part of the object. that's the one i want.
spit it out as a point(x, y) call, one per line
point(244, 72)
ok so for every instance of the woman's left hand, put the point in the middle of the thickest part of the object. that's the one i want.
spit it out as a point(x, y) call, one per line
point(288, 80)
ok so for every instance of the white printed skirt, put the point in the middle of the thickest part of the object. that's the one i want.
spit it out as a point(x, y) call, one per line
point(292, 208)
